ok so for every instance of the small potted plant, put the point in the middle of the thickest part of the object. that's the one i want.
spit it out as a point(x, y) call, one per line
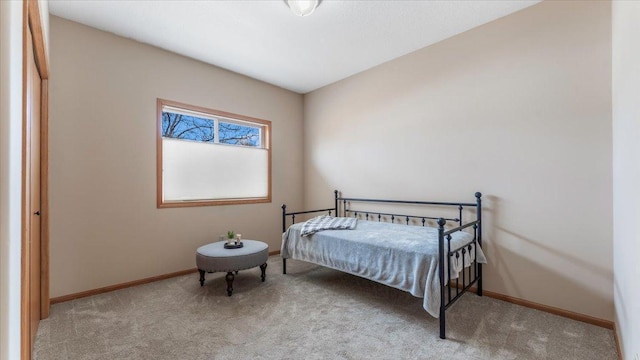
point(231, 237)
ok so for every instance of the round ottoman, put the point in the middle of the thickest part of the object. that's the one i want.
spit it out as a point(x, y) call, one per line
point(215, 258)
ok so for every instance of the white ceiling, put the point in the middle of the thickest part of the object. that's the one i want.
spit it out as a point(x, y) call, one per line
point(263, 39)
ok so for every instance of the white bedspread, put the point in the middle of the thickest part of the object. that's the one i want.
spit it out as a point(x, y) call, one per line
point(400, 256)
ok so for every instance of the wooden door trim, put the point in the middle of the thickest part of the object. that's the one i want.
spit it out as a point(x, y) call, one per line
point(35, 21)
point(32, 26)
point(44, 201)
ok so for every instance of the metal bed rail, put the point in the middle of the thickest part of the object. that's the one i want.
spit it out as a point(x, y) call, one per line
point(293, 215)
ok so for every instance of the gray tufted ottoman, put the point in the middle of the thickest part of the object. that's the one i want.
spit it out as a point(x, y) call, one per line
point(215, 258)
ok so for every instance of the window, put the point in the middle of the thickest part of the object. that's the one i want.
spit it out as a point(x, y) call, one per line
point(210, 157)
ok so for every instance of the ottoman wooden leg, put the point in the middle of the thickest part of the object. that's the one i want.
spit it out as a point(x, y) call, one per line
point(229, 278)
point(263, 267)
point(201, 277)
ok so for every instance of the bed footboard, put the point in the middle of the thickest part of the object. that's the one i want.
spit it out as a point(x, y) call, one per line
point(330, 211)
point(463, 252)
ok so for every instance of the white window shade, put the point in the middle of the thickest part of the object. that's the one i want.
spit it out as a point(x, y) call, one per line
point(198, 171)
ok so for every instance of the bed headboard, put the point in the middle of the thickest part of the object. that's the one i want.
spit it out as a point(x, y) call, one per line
point(344, 207)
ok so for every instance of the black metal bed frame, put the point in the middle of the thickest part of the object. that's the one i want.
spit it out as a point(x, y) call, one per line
point(447, 298)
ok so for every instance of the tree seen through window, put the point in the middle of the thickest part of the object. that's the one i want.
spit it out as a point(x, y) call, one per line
point(188, 127)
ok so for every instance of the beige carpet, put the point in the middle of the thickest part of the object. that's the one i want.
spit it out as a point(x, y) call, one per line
point(311, 313)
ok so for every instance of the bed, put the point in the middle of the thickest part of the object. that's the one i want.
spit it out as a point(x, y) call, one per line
point(397, 250)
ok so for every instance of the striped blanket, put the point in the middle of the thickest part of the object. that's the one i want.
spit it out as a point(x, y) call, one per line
point(325, 222)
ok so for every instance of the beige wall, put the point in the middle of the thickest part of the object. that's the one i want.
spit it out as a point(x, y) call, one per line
point(626, 172)
point(105, 227)
point(519, 109)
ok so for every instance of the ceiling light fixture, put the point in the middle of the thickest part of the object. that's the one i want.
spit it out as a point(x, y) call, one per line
point(303, 7)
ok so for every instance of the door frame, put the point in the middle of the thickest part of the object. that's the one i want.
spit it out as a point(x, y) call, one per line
point(32, 25)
